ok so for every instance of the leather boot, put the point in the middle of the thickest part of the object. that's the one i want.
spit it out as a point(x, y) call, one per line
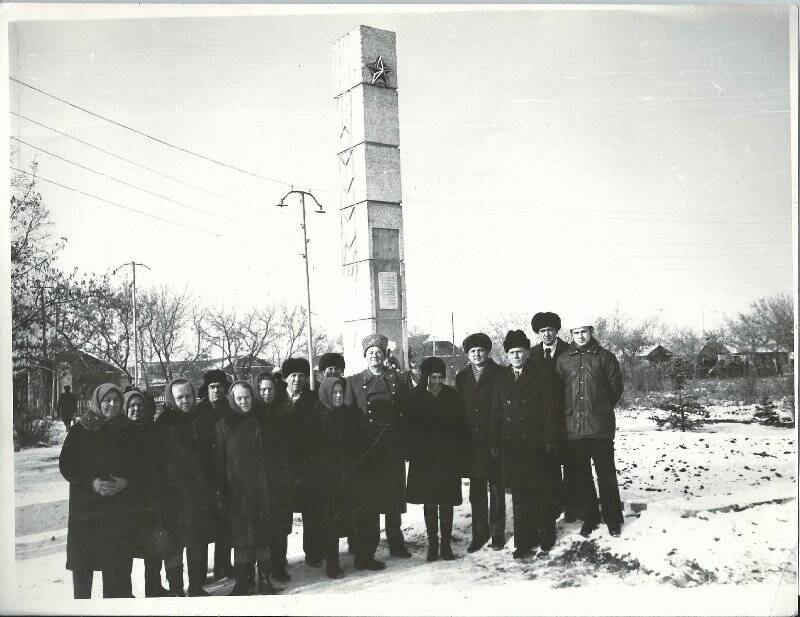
point(152, 579)
point(446, 523)
point(242, 577)
point(175, 582)
point(332, 566)
point(432, 529)
point(265, 586)
point(222, 561)
point(197, 576)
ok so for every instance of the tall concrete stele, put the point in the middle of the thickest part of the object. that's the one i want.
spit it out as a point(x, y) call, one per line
point(368, 156)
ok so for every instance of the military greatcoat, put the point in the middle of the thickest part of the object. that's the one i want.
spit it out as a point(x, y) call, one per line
point(382, 400)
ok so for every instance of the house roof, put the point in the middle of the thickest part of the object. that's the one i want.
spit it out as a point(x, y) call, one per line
point(650, 349)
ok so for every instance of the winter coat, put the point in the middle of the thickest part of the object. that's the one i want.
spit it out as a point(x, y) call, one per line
point(189, 508)
point(276, 458)
point(151, 538)
point(241, 468)
point(381, 401)
point(592, 387)
point(477, 398)
point(340, 475)
point(293, 420)
point(439, 449)
point(528, 416)
point(67, 407)
point(99, 529)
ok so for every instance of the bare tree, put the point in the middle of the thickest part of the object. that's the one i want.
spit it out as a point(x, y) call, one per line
point(258, 330)
point(292, 324)
point(166, 315)
point(223, 330)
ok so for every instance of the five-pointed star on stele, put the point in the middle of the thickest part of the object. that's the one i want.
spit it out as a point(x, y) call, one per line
point(380, 72)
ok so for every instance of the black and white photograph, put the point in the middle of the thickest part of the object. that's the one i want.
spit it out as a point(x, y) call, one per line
point(383, 309)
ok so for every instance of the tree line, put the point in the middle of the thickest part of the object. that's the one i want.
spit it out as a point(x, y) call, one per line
point(57, 311)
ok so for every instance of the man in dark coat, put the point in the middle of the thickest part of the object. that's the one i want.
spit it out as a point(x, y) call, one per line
point(475, 384)
point(213, 407)
point(67, 406)
point(547, 326)
point(525, 433)
point(592, 388)
point(381, 395)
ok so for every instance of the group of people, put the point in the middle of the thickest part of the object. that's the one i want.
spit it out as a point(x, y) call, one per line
point(230, 463)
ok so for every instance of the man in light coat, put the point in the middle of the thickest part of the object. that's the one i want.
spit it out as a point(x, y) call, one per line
point(592, 388)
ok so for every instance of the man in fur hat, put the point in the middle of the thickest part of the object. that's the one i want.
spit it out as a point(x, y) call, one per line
point(214, 392)
point(592, 388)
point(475, 385)
point(526, 430)
point(381, 395)
point(547, 325)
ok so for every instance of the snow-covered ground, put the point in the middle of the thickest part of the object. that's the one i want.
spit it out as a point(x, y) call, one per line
point(710, 528)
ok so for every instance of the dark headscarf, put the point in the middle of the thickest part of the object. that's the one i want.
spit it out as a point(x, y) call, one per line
point(95, 418)
point(148, 405)
point(232, 403)
point(326, 390)
point(169, 399)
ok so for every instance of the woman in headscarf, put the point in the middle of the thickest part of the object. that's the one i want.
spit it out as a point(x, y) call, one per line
point(241, 469)
point(271, 409)
point(337, 443)
point(96, 462)
point(152, 542)
point(186, 484)
point(438, 453)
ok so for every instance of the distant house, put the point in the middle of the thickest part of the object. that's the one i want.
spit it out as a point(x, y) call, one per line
point(246, 367)
point(37, 387)
point(729, 360)
point(655, 354)
point(422, 346)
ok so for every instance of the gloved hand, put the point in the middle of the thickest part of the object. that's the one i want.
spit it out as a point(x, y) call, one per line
point(552, 449)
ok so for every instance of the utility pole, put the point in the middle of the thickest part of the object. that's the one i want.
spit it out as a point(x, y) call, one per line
point(304, 255)
point(133, 265)
point(453, 330)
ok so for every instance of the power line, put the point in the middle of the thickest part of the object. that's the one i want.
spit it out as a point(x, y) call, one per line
point(137, 164)
point(128, 208)
point(148, 136)
point(130, 185)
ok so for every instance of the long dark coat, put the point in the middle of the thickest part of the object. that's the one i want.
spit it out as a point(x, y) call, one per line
point(477, 398)
point(439, 449)
point(528, 417)
point(241, 469)
point(187, 479)
point(293, 422)
point(279, 471)
point(381, 401)
point(100, 529)
point(151, 539)
point(341, 480)
point(210, 416)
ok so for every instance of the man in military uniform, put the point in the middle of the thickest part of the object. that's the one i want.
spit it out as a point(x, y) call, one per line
point(381, 395)
point(475, 384)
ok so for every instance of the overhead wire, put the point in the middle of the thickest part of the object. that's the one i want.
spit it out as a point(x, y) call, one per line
point(152, 137)
point(129, 208)
point(129, 184)
point(135, 163)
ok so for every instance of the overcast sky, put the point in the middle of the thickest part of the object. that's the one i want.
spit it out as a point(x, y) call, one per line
point(567, 160)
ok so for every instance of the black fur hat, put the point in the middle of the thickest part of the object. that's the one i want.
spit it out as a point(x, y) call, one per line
point(545, 320)
point(516, 338)
point(331, 359)
point(295, 365)
point(478, 339)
